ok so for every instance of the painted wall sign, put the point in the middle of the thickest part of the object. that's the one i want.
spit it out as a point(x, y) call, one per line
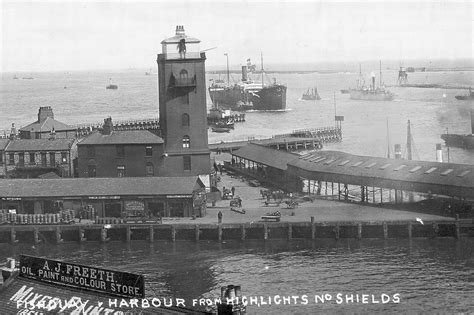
point(106, 281)
point(104, 197)
point(11, 198)
point(178, 196)
point(134, 205)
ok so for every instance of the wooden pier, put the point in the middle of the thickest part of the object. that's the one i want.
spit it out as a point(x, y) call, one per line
point(310, 230)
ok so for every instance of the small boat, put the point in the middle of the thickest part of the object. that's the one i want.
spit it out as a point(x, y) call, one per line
point(111, 86)
point(15, 77)
point(220, 129)
point(345, 91)
point(467, 97)
point(311, 95)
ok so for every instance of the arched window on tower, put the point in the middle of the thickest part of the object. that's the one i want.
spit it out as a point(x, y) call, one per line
point(185, 120)
point(186, 142)
point(183, 75)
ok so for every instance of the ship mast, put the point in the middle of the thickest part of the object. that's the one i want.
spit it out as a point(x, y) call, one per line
point(388, 141)
point(261, 57)
point(409, 146)
point(380, 69)
point(228, 75)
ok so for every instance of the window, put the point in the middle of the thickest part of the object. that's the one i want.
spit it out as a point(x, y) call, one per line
point(11, 158)
point(32, 158)
point(187, 163)
point(1, 157)
point(21, 158)
point(186, 142)
point(185, 120)
point(120, 171)
point(64, 157)
point(148, 150)
point(120, 149)
point(149, 169)
point(43, 159)
point(90, 151)
point(91, 171)
point(183, 74)
point(185, 99)
point(52, 158)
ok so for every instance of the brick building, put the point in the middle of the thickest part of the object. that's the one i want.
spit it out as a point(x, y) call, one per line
point(45, 124)
point(30, 158)
point(110, 153)
point(3, 168)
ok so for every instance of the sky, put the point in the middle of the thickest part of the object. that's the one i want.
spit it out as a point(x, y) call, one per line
point(93, 35)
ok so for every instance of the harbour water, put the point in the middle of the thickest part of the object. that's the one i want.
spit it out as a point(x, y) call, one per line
point(426, 275)
point(429, 275)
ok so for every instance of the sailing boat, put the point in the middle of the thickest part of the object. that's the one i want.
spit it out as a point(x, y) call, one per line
point(371, 93)
point(311, 95)
point(111, 86)
point(462, 141)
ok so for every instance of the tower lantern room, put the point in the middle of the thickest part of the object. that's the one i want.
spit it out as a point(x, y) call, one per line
point(180, 46)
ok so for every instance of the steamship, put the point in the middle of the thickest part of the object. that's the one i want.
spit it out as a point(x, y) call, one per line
point(371, 93)
point(248, 94)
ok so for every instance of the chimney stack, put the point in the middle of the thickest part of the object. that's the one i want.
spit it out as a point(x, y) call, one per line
point(439, 153)
point(108, 126)
point(45, 112)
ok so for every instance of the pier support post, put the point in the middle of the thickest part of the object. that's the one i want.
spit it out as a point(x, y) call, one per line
point(313, 229)
point(219, 233)
point(13, 239)
point(103, 235)
point(196, 232)
point(410, 229)
point(81, 235)
point(36, 235)
point(58, 235)
point(457, 230)
point(385, 230)
point(151, 233)
point(265, 232)
point(435, 229)
point(337, 231)
point(290, 231)
point(242, 230)
point(359, 231)
point(173, 233)
point(128, 233)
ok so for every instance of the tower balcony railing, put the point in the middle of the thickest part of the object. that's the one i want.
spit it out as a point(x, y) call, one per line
point(187, 55)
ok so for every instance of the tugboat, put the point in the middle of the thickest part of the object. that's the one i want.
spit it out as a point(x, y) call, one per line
point(371, 93)
point(467, 97)
point(311, 95)
point(111, 86)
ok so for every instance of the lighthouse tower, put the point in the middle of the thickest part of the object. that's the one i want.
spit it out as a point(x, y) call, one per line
point(182, 102)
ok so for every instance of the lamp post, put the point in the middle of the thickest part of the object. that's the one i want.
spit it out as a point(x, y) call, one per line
point(447, 142)
point(227, 57)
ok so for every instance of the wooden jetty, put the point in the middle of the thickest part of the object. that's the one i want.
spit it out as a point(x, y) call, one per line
point(118, 231)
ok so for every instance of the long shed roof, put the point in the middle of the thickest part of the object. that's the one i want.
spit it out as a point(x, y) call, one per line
point(84, 187)
point(260, 154)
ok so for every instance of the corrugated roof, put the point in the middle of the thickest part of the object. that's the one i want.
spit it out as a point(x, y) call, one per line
point(79, 187)
point(39, 145)
point(123, 137)
point(271, 157)
point(3, 144)
point(448, 175)
point(47, 125)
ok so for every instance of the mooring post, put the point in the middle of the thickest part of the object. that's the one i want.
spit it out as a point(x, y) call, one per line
point(435, 229)
point(313, 229)
point(385, 230)
point(410, 227)
point(151, 232)
point(58, 235)
point(290, 231)
point(36, 235)
point(128, 233)
point(265, 232)
point(242, 230)
point(13, 235)
point(81, 235)
point(196, 232)
point(457, 229)
point(103, 235)
point(359, 231)
point(337, 229)
point(173, 233)
point(219, 232)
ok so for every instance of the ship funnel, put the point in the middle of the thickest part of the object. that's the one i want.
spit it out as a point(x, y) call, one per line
point(439, 153)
